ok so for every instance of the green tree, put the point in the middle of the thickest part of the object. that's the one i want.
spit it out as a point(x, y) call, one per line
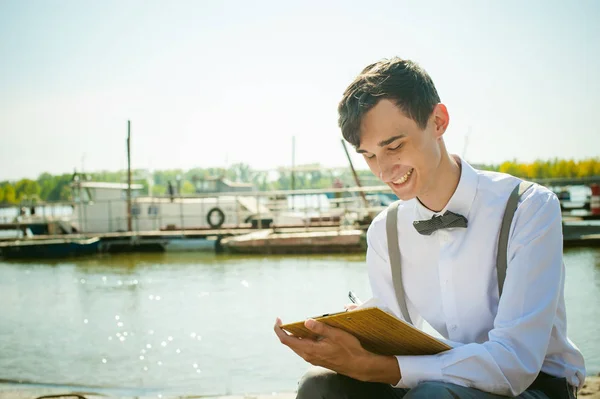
point(240, 172)
point(158, 189)
point(61, 190)
point(26, 188)
point(187, 188)
point(10, 196)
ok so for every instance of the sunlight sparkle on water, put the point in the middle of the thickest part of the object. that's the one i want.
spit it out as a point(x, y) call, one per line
point(85, 321)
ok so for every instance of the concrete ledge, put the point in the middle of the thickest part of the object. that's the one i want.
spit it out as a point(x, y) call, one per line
point(591, 390)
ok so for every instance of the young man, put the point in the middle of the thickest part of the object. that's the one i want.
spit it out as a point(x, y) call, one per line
point(513, 343)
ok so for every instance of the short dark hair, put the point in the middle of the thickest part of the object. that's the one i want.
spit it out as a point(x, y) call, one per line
point(402, 81)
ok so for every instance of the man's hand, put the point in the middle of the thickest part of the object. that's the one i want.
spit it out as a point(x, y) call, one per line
point(341, 352)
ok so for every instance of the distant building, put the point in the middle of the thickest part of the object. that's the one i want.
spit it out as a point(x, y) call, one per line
point(221, 185)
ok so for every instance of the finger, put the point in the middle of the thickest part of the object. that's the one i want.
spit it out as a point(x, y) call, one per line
point(284, 336)
point(350, 306)
point(319, 328)
point(301, 346)
point(280, 332)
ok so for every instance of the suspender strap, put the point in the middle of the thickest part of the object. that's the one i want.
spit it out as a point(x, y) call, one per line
point(391, 225)
point(509, 213)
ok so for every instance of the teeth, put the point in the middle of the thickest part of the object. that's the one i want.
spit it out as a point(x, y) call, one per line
point(403, 178)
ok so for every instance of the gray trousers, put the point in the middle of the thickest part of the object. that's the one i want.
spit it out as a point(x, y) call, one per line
point(320, 383)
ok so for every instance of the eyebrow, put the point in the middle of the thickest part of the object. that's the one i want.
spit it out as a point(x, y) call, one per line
point(384, 142)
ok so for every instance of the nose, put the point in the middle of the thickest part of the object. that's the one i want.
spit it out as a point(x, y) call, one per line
point(387, 171)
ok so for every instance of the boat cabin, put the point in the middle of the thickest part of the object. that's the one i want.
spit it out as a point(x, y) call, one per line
point(89, 191)
point(219, 184)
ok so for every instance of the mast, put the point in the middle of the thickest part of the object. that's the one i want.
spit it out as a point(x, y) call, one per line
point(129, 224)
point(356, 179)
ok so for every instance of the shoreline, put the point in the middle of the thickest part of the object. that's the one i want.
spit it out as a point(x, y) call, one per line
point(591, 390)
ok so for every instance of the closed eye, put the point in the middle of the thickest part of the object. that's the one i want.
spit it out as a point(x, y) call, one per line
point(396, 147)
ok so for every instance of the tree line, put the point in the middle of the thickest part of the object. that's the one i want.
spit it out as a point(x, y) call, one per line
point(49, 187)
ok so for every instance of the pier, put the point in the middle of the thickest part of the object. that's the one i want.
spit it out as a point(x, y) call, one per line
point(299, 221)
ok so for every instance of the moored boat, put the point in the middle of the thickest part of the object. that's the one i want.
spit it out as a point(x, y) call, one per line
point(51, 248)
point(303, 242)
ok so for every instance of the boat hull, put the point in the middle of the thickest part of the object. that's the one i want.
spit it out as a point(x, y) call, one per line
point(269, 242)
point(43, 249)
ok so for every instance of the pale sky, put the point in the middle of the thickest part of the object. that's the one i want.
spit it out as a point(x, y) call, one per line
point(208, 84)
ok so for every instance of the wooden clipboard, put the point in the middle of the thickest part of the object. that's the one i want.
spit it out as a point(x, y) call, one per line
point(378, 332)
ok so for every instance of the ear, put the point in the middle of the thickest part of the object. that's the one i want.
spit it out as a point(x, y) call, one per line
point(441, 119)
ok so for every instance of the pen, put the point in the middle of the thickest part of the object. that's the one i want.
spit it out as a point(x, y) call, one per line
point(354, 298)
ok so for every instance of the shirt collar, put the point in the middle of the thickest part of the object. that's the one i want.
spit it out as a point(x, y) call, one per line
point(461, 200)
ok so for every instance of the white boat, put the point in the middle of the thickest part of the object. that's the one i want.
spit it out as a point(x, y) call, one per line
point(102, 208)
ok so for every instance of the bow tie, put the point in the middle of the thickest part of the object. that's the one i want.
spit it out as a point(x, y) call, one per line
point(447, 220)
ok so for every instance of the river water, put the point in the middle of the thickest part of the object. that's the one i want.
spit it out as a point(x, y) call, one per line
point(198, 323)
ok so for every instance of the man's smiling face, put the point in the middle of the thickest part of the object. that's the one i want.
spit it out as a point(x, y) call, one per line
point(399, 152)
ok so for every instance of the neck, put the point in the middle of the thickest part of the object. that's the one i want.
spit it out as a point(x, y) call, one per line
point(443, 186)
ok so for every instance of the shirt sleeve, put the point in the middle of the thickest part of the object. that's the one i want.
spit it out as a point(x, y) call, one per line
point(512, 357)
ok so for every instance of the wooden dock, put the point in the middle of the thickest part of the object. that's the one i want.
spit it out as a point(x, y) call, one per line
point(314, 239)
point(323, 237)
point(302, 242)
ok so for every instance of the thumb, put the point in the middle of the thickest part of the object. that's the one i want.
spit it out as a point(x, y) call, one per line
point(318, 328)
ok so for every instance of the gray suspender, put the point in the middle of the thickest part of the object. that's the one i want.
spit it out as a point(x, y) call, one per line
point(501, 258)
point(391, 226)
point(509, 212)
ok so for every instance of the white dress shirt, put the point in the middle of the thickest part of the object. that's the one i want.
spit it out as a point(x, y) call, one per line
point(450, 281)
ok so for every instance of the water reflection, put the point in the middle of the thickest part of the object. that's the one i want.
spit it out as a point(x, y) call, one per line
point(196, 323)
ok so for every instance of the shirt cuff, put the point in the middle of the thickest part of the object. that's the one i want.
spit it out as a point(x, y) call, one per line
point(415, 369)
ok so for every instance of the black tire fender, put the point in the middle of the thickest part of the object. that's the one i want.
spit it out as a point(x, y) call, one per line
point(221, 218)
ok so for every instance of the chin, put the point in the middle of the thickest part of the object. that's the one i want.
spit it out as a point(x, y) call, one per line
point(404, 196)
point(405, 191)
